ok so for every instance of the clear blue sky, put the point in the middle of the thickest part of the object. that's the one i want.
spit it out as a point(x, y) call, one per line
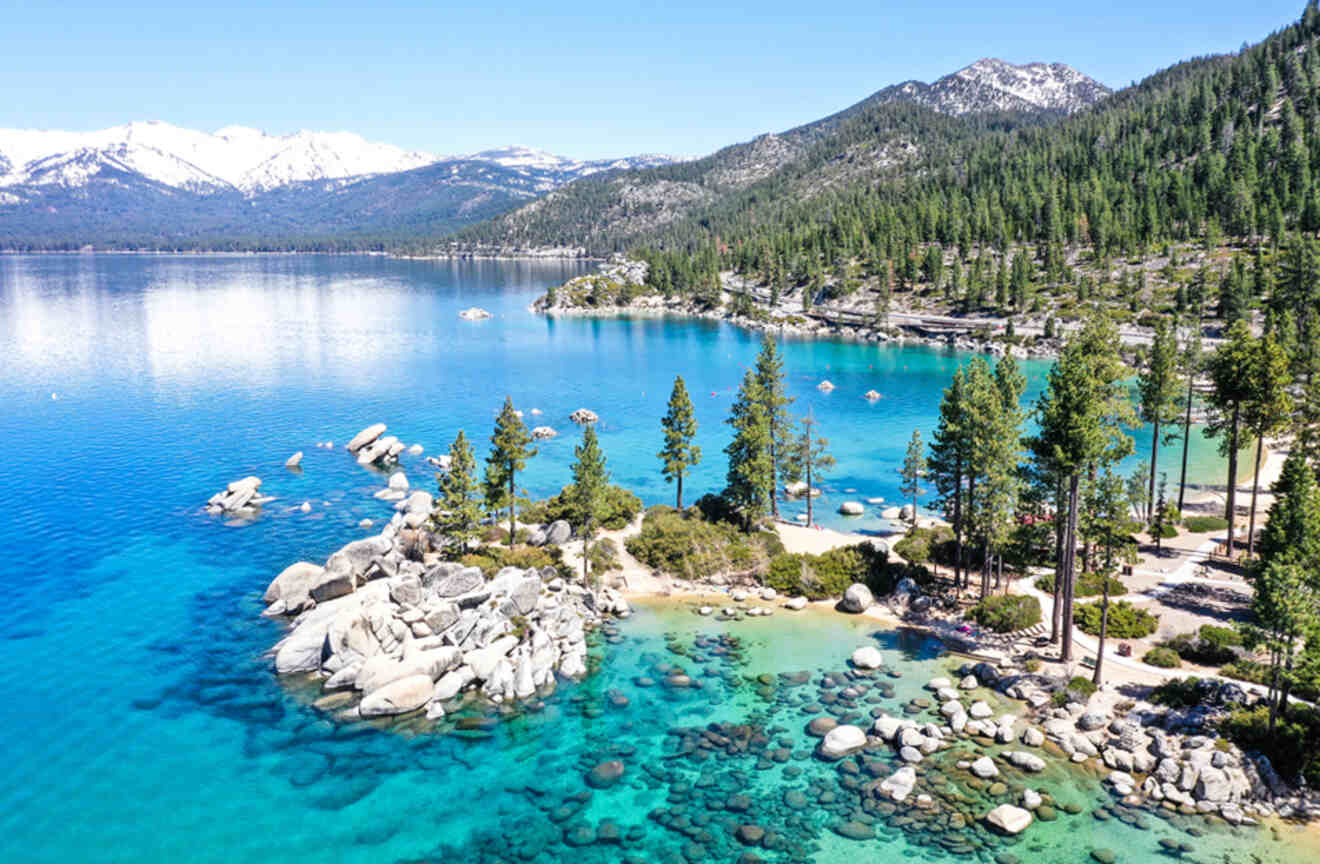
point(586, 78)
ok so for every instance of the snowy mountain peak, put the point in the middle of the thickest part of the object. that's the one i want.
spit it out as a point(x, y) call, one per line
point(991, 84)
point(245, 159)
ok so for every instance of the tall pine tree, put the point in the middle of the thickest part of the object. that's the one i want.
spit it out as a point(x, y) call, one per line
point(509, 452)
point(679, 455)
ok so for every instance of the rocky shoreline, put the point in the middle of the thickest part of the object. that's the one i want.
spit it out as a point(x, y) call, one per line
point(623, 272)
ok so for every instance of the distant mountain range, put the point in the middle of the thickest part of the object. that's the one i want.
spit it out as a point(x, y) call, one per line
point(154, 185)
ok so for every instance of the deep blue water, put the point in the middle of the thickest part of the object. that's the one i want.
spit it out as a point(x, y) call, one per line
point(140, 719)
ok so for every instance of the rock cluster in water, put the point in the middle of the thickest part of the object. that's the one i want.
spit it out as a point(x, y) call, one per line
point(239, 498)
point(372, 446)
point(389, 633)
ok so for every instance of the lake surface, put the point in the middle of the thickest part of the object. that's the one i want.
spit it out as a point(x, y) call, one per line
point(141, 720)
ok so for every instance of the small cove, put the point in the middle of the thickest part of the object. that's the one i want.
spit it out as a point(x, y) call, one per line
point(143, 720)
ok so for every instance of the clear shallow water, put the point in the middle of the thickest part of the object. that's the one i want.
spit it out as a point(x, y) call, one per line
point(141, 721)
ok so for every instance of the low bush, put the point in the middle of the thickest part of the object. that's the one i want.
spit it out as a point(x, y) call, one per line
point(1088, 585)
point(686, 545)
point(1203, 524)
point(1293, 746)
point(603, 556)
point(924, 545)
point(492, 558)
point(829, 574)
point(1177, 693)
point(1209, 646)
point(1125, 620)
point(1165, 658)
point(1168, 531)
point(498, 533)
point(619, 508)
point(1246, 669)
point(1007, 613)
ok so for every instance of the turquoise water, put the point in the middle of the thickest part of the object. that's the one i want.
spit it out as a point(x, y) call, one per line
point(141, 721)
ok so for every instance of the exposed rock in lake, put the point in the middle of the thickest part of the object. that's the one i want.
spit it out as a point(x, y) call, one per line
point(583, 415)
point(239, 498)
point(294, 461)
point(856, 599)
point(407, 636)
point(474, 313)
point(852, 508)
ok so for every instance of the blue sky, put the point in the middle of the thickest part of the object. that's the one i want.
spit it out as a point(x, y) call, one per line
point(586, 79)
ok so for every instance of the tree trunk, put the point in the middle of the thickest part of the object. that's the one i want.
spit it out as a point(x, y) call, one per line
point(1154, 460)
point(1187, 437)
point(1060, 530)
point(1255, 488)
point(971, 508)
point(1104, 627)
point(511, 508)
point(1232, 479)
point(957, 528)
point(774, 476)
point(1070, 563)
point(678, 505)
point(985, 569)
point(809, 512)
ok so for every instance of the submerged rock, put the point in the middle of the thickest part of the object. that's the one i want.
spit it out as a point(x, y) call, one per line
point(1009, 819)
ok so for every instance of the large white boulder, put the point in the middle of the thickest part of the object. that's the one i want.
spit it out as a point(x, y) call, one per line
point(867, 657)
point(842, 741)
point(1009, 819)
point(366, 436)
point(857, 598)
point(900, 784)
point(852, 508)
point(985, 768)
point(293, 586)
point(398, 697)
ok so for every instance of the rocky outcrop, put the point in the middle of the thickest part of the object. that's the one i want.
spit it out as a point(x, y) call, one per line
point(474, 313)
point(852, 508)
point(583, 416)
point(542, 433)
point(403, 635)
point(239, 498)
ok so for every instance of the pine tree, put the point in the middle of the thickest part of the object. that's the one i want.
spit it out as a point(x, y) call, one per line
point(751, 475)
point(1158, 387)
point(1160, 518)
point(1191, 363)
point(949, 456)
point(458, 514)
point(588, 490)
point(1266, 411)
point(1230, 369)
point(914, 469)
point(509, 453)
point(1081, 415)
point(1107, 503)
point(770, 381)
point(809, 460)
point(679, 454)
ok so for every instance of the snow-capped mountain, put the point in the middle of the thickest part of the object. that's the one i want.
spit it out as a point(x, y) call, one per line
point(247, 160)
point(235, 157)
point(995, 85)
point(523, 157)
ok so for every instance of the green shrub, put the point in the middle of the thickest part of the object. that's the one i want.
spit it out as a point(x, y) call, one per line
point(1088, 585)
point(1032, 665)
point(603, 556)
point(619, 508)
point(497, 533)
point(829, 574)
point(1246, 669)
point(690, 547)
point(491, 559)
point(1293, 746)
point(1209, 646)
point(1165, 658)
point(1168, 531)
point(1177, 693)
point(1007, 613)
point(1081, 688)
point(1125, 620)
point(923, 545)
point(1203, 524)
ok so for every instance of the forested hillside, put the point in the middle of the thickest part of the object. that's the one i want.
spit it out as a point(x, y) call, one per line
point(1181, 193)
